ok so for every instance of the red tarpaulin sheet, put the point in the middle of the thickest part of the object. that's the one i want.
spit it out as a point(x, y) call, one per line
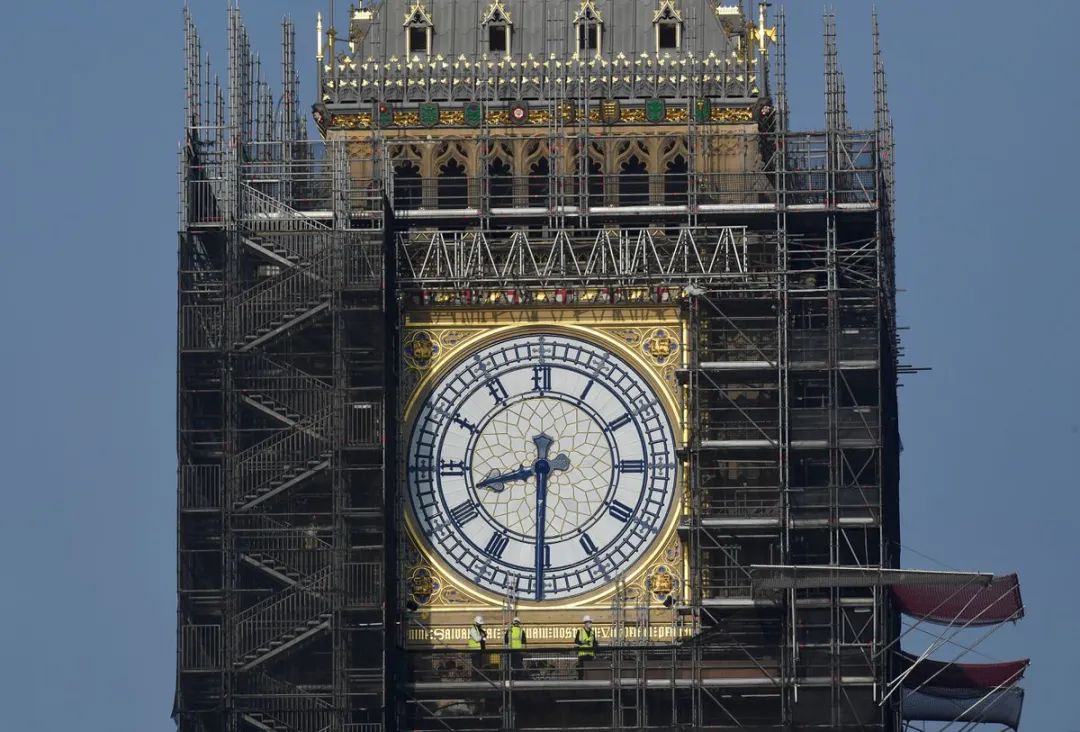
point(971, 604)
point(961, 675)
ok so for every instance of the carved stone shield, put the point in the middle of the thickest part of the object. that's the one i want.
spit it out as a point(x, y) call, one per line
point(655, 110)
point(474, 114)
point(429, 114)
point(703, 110)
point(610, 111)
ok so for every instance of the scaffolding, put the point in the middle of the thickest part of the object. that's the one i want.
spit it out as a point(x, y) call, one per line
point(281, 527)
point(299, 259)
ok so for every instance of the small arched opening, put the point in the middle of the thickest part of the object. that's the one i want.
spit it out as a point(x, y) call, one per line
point(596, 183)
point(633, 183)
point(406, 186)
point(501, 184)
point(453, 185)
point(539, 183)
point(676, 182)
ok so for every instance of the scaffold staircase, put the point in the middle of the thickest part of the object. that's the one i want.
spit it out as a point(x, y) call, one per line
point(278, 232)
point(282, 303)
point(284, 392)
point(283, 620)
point(286, 552)
point(281, 461)
point(304, 712)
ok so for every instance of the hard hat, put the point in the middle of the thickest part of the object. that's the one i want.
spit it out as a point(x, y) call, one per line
point(479, 620)
point(517, 621)
point(586, 619)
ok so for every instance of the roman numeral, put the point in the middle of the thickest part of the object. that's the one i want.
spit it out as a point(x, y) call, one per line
point(632, 466)
point(547, 556)
point(585, 391)
point(496, 545)
point(620, 422)
point(450, 468)
point(497, 390)
point(587, 544)
point(620, 511)
point(464, 512)
point(541, 378)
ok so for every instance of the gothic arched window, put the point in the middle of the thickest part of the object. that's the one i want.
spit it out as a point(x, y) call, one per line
point(590, 28)
point(669, 26)
point(499, 28)
point(418, 30)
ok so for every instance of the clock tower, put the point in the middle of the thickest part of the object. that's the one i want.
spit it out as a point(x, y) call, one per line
point(556, 318)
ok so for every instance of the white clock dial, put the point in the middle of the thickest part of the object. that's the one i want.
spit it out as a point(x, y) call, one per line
point(542, 466)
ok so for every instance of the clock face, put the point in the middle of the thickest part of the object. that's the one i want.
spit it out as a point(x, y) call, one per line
point(542, 466)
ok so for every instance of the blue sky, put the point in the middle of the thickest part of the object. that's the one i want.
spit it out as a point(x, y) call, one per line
point(986, 109)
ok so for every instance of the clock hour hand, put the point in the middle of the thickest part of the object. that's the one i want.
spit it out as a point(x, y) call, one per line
point(497, 482)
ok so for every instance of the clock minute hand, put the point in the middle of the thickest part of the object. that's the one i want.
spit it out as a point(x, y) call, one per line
point(542, 467)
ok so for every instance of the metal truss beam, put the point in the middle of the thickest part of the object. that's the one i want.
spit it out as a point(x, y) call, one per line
point(614, 255)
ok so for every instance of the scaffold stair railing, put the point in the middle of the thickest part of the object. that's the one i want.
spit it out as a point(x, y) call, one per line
point(265, 722)
point(279, 232)
point(278, 705)
point(268, 405)
point(283, 391)
point(283, 620)
point(279, 462)
point(285, 552)
point(266, 214)
point(281, 303)
point(288, 250)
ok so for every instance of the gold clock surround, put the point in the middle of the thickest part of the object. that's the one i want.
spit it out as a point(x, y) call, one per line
point(651, 339)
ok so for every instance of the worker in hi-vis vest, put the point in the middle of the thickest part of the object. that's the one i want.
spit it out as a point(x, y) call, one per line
point(586, 644)
point(515, 640)
point(477, 644)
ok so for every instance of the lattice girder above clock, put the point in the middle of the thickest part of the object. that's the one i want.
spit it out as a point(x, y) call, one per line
point(620, 256)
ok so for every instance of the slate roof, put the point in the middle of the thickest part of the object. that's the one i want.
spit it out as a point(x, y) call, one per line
point(541, 27)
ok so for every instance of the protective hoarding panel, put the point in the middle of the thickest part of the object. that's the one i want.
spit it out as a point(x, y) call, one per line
point(973, 604)
point(935, 704)
point(961, 675)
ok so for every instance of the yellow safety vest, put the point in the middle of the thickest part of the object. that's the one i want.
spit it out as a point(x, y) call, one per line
point(517, 634)
point(584, 639)
point(475, 643)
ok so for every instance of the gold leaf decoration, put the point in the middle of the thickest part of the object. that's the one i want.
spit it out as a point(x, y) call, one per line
point(360, 121)
point(730, 114)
